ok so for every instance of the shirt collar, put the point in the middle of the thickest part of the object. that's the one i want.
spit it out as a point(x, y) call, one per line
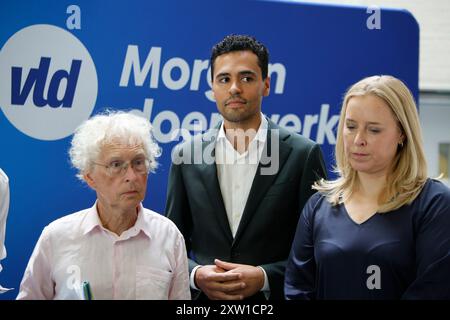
point(261, 134)
point(92, 221)
point(141, 223)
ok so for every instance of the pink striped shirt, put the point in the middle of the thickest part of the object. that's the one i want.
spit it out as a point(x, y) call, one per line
point(147, 261)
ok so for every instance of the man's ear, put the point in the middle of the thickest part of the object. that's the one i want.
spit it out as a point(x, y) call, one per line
point(88, 178)
point(266, 90)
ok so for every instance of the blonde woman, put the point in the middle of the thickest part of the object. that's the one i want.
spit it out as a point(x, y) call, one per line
point(381, 230)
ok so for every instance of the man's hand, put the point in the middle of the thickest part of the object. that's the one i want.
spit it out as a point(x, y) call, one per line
point(252, 276)
point(218, 284)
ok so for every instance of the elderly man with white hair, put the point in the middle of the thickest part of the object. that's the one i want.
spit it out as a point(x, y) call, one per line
point(117, 249)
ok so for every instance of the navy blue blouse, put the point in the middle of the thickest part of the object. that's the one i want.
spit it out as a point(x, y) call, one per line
point(401, 254)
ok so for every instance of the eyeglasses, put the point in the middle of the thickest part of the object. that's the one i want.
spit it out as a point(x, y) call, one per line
point(119, 167)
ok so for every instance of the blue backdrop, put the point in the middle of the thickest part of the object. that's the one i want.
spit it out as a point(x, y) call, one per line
point(63, 61)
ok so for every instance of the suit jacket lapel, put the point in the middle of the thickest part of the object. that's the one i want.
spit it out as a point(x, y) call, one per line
point(208, 172)
point(262, 182)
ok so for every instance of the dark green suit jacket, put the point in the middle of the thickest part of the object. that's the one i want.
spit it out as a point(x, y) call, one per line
point(288, 167)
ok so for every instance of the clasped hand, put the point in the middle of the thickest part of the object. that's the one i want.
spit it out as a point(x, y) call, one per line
point(229, 281)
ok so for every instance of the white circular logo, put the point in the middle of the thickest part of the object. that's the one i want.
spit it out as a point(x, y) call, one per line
point(48, 82)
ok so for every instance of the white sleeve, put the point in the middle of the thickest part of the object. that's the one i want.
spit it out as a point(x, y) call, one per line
point(37, 282)
point(180, 285)
point(4, 206)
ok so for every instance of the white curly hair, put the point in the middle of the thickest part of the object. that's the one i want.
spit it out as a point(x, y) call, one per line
point(111, 127)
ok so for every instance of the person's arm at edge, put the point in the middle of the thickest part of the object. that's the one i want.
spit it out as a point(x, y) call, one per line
point(301, 267)
point(433, 251)
point(37, 283)
point(180, 289)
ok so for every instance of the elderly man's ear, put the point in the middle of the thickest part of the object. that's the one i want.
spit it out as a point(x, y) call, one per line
point(91, 183)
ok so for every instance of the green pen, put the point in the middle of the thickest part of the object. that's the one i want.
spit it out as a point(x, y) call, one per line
point(87, 291)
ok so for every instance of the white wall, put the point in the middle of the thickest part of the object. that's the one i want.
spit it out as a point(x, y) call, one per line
point(435, 121)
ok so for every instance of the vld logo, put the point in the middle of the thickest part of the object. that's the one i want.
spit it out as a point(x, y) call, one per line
point(48, 91)
point(37, 78)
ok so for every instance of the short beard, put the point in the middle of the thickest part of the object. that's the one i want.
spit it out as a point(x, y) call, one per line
point(236, 117)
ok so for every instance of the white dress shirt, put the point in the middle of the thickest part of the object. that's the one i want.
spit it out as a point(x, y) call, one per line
point(4, 206)
point(147, 261)
point(236, 173)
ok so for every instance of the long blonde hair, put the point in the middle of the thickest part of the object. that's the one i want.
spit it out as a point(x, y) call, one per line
point(409, 168)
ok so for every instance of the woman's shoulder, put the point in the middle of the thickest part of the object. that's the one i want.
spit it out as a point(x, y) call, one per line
point(434, 190)
point(316, 197)
point(433, 202)
point(318, 201)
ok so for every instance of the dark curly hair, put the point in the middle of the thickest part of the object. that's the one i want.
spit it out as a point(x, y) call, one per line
point(236, 42)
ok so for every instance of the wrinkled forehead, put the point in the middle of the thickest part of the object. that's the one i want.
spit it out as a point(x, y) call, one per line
point(121, 149)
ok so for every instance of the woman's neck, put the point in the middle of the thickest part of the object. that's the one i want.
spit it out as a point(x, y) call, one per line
point(370, 186)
